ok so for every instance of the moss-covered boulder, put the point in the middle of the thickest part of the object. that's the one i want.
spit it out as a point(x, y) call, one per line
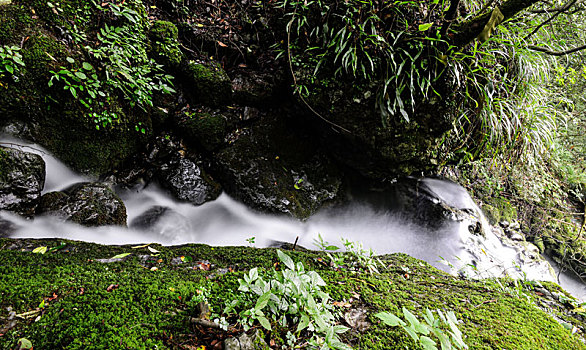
point(22, 178)
point(207, 130)
point(88, 204)
point(164, 47)
point(272, 167)
point(87, 300)
point(207, 83)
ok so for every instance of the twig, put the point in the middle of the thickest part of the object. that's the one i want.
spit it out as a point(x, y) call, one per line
point(295, 244)
point(204, 323)
point(486, 302)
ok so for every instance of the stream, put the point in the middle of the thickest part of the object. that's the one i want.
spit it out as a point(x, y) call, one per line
point(383, 221)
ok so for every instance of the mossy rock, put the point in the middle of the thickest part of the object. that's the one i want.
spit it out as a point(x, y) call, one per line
point(91, 301)
point(207, 83)
point(88, 204)
point(164, 46)
point(272, 167)
point(499, 209)
point(15, 19)
point(205, 129)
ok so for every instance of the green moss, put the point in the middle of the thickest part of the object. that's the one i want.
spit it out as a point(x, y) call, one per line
point(205, 129)
point(499, 209)
point(92, 305)
point(164, 45)
point(208, 83)
point(14, 21)
point(41, 54)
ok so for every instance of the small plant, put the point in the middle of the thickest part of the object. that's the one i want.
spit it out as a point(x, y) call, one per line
point(419, 331)
point(355, 254)
point(251, 241)
point(10, 60)
point(291, 297)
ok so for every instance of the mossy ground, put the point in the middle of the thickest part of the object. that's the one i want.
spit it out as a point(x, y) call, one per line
point(128, 304)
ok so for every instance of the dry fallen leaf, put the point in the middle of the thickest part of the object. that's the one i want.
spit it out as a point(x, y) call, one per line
point(222, 44)
point(111, 287)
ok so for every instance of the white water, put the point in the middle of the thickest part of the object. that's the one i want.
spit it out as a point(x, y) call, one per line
point(225, 221)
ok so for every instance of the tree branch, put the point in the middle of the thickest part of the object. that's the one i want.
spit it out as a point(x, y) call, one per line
point(562, 9)
point(467, 31)
point(556, 53)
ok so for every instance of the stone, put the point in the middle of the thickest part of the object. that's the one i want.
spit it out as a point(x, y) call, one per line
point(22, 178)
point(162, 221)
point(207, 83)
point(246, 342)
point(270, 167)
point(88, 204)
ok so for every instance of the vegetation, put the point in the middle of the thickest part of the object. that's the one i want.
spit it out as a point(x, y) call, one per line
point(80, 295)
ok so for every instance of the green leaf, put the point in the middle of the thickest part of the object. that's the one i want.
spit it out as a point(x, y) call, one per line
point(87, 66)
point(18, 60)
point(70, 60)
point(40, 250)
point(42, 304)
point(425, 26)
point(264, 322)
point(303, 323)
point(412, 333)
point(285, 259)
point(263, 301)
point(390, 319)
point(253, 274)
point(427, 343)
point(81, 75)
point(120, 256)
point(73, 91)
point(9, 68)
point(24, 344)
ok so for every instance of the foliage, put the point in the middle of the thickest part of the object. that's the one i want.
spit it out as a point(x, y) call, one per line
point(355, 255)
point(120, 53)
point(10, 60)
point(354, 38)
point(292, 297)
point(419, 331)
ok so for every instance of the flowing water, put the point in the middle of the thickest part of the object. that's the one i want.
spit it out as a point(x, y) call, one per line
point(376, 219)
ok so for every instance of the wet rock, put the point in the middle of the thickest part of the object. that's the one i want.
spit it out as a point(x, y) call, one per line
point(162, 221)
point(433, 202)
point(246, 342)
point(270, 167)
point(187, 181)
point(177, 169)
point(22, 178)
point(164, 46)
point(88, 204)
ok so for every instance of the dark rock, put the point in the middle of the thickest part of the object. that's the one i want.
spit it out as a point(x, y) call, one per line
point(433, 202)
point(162, 221)
point(255, 89)
point(22, 178)
point(88, 204)
point(187, 181)
point(271, 167)
point(181, 172)
point(207, 83)
point(205, 129)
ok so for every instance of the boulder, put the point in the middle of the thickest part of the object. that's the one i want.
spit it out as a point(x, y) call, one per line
point(162, 221)
point(181, 171)
point(271, 167)
point(22, 178)
point(187, 181)
point(207, 83)
point(88, 204)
